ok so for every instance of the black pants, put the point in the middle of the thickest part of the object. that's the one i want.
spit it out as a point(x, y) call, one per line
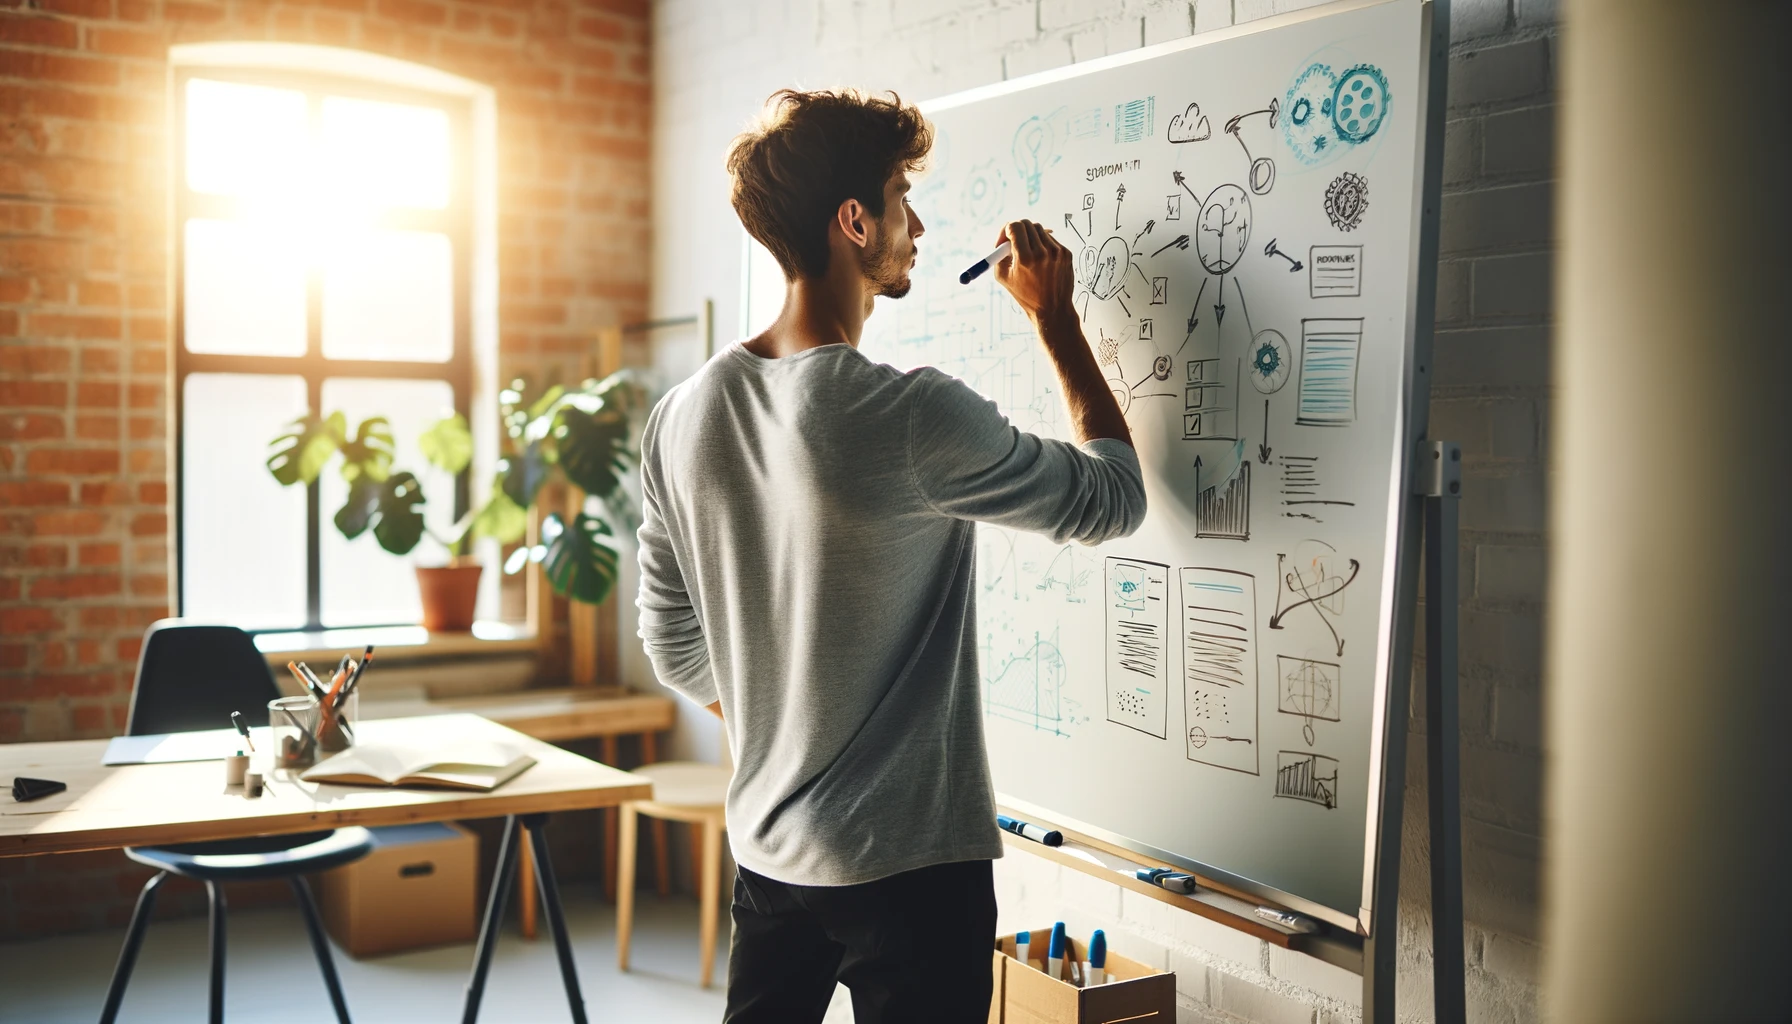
point(913, 947)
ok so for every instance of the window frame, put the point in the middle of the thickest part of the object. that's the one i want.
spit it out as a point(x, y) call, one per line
point(455, 220)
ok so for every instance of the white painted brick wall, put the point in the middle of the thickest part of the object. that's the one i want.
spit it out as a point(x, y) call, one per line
point(716, 60)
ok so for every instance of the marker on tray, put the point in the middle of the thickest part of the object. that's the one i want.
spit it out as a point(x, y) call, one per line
point(976, 270)
point(1054, 960)
point(1049, 837)
point(1167, 878)
point(1289, 919)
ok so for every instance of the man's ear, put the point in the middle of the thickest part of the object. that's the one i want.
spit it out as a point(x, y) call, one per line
point(854, 222)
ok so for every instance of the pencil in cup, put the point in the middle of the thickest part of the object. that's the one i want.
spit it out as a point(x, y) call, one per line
point(292, 728)
point(336, 719)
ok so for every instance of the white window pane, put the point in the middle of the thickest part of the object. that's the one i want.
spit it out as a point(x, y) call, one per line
point(244, 140)
point(387, 154)
point(390, 295)
point(363, 583)
point(243, 549)
point(244, 289)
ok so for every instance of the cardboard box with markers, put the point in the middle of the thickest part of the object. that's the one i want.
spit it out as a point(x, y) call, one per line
point(1026, 994)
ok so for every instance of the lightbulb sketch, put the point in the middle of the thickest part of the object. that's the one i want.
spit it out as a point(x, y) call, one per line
point(1033, 154)
point(1224, 228)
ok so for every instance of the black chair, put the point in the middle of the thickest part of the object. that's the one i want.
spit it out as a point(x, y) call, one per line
point(192, 677)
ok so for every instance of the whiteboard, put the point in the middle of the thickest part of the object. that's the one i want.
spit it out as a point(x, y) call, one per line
point(1244, 209)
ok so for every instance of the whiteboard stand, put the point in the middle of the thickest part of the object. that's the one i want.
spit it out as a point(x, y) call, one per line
point(1437, 481)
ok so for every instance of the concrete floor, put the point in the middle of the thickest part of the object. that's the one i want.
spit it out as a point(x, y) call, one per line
point(271, 976)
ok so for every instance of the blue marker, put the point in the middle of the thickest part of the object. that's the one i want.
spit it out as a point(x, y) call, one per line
point(976, 269)
point(1051, 837)
point(1054, 961)
point(1167, 878)
point(1097, 974)
point(1022, 940)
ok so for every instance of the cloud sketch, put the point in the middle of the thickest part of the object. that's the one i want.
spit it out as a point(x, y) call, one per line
point(1190, 125)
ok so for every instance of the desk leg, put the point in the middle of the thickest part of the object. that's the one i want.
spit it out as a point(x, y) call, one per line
point(537, 825)
point(611, 843)
point(525, 893)
point(494, 919)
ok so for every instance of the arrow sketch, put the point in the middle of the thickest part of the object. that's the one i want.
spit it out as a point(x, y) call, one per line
point(1180, 180)
point(1179, 242)
point(1271, 250)
point(1071, 224)
point(1264, 449)
point(1148, 226)
point(1193, 319)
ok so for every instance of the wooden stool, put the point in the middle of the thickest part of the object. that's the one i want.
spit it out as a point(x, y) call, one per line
point(685, 791)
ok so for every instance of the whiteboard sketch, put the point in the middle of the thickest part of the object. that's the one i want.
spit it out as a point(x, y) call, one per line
point(1219, 635)
point(1137, 644)
point(1309, 689)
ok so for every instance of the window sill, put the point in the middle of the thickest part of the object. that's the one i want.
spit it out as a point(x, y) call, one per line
point(395, 643)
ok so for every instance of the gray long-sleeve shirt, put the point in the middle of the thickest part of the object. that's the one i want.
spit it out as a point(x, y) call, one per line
point(807, 554)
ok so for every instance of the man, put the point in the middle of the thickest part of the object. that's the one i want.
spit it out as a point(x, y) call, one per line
point(807, 550)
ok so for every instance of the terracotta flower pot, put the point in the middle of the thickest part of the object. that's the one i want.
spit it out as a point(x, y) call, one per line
point(449, 594)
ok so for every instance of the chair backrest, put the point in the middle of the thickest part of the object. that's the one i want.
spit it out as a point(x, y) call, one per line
point(192, 677)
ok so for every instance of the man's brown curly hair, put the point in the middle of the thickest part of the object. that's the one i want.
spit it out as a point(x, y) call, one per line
point(811, 152)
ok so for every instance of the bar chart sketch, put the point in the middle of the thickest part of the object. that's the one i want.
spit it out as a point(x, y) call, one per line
point(1309, 777)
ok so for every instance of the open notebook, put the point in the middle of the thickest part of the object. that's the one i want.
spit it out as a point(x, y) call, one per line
point(454, 762)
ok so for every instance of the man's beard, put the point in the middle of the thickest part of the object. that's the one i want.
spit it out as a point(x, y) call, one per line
point(881, 267)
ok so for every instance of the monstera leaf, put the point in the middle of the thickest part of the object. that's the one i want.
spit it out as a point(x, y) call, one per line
point(392, 507)
point(400, 524)
point(501, 519)
point(522, 474)
point(594, 450)
point(448, 444)
point(579, 560)
point(301, 453)
point(369, 454)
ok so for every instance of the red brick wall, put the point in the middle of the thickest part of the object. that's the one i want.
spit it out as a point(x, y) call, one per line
point(84, 334)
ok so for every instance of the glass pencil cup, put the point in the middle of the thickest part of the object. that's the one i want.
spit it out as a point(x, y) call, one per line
point(292, 730)
point(336, 728)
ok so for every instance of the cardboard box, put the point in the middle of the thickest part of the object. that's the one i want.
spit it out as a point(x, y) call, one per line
point(1025, 994)
point(419, 887)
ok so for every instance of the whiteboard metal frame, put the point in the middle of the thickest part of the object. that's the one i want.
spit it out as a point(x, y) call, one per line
point(1394, 652)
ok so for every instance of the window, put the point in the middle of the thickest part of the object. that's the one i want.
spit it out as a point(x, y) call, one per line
point(324, 263)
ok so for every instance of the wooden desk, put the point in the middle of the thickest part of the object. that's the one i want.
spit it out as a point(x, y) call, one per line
point(160, 804)
point(604, 713)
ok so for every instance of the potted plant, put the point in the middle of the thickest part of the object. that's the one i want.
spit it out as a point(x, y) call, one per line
point(579, 435)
